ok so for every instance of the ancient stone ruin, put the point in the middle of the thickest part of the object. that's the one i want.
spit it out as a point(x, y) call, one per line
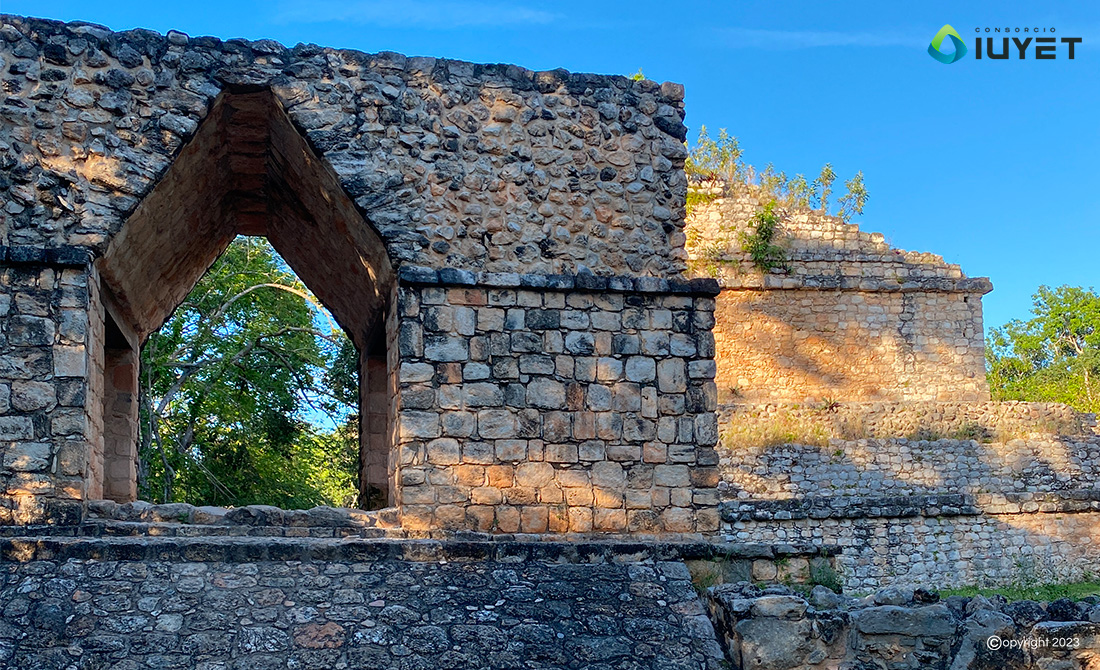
point(499, 244)
point(851, 320)
point(555, 475)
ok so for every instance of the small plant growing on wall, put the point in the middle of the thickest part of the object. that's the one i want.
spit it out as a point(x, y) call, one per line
point(715, 169)
point(760, 240)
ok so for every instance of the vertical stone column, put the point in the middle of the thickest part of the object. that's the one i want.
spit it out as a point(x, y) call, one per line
point(120, 424)
point(374, 432)
point(44, 367)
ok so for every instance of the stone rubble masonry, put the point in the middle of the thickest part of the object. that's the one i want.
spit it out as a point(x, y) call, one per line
point(937, 513)
point(547, 368)
point(556, 409)
point(267, 603)
point(458, 165)
point(902, 629)
point(849, 319)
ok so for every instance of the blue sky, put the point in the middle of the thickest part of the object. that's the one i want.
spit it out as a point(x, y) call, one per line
point(992, 164)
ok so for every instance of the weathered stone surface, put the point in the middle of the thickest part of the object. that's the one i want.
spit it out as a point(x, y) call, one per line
point(255, 515)
point(909, 325)
point(989, 510)
point(780, 632)
point(934, 620)
point(525, 239)
point(783, 607)
point(368, 609)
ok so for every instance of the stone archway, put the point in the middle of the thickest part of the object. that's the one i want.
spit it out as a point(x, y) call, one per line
point(247, 171)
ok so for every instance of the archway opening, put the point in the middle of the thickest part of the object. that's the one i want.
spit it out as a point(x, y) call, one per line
point(247, 171)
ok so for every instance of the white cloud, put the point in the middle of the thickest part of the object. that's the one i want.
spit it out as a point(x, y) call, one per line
point(812, 39)
point(412, 13)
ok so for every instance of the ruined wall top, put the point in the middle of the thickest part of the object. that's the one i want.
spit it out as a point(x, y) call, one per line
point(822, 251)
point(482, 167)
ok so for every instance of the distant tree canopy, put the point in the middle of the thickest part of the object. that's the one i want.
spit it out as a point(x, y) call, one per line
point(714, 167)
point(248, 392)
point(1052, 357)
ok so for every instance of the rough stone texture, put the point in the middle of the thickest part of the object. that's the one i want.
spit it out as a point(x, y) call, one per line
point(913, 420)
point(459, 165)
point(154, 603)
point(936, 513)
point(784, 632)
point(42, 373)
point(504, 247)
point(849, 319)
point(552, 411)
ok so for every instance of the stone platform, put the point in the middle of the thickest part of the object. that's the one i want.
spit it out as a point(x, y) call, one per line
point(128, 596)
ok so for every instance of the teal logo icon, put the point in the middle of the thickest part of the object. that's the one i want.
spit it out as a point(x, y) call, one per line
point(947, 58)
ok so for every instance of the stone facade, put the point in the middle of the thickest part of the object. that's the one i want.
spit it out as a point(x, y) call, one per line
point(945, 512)
point(560, 409)
point(504, 247)
point(901, 628)
point(43, 390)
point(210, 604)
point(917, 420)
point(849, 319)
point(482, 167)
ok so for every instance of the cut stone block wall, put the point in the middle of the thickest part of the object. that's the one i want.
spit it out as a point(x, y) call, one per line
point(848, 319)
point(557, 408)
point(43, 395)
point(933, 513)
point(798, 345)
point(912, 420)
point(141, 155)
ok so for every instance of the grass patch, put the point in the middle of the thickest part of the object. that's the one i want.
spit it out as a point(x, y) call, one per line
point(782, 429)
point(813, 426)
point(1041, 592)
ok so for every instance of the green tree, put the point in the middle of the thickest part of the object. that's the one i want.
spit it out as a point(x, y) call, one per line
point(234, 388)
point(1052, 357)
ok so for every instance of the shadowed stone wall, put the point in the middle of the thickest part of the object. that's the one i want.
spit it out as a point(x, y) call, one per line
point(1021, 506)
point(901, 629)
point(850, 318)
point(329, 604)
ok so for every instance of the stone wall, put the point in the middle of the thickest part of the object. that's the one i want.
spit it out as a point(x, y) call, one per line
point(574, 405)
point(900, 629)
point(43, 371)
point(848, 319)
point(485, 167)
point(267, 603)
point(944, 512)
point(504, 247)
point(915, 420)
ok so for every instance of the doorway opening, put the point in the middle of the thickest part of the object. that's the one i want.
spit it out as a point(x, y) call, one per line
point(247, 172)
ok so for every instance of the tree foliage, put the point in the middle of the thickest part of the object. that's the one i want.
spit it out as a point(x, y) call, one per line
point(1052, 357)
point(236, 389)
point(714, 167)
